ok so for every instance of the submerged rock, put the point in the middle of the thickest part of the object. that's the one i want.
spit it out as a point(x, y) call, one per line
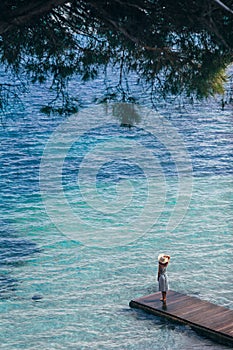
point(37, 297)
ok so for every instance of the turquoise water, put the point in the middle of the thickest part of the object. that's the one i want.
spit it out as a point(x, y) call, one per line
point(86, 249)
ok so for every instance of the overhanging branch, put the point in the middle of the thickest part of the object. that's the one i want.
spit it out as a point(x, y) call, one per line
point(225, 7)
point(26, 13)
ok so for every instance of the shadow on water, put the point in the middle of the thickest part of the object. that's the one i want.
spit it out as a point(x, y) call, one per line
point(14, 252)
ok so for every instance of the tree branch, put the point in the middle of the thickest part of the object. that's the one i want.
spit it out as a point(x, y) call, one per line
point(225, 7)
point(29, 11)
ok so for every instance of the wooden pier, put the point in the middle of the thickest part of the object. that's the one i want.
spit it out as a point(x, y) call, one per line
point(209, 319)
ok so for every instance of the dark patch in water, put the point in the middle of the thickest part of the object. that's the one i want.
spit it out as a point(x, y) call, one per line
point(14, 251)
point(37, 297)
point(7, 286)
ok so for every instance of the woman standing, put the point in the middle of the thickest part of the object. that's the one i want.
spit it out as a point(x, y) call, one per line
point(162, 276)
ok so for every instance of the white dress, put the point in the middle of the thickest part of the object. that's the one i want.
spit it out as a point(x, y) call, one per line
point(163, 280)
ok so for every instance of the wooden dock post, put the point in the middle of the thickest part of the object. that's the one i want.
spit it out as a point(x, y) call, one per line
point(212, 320)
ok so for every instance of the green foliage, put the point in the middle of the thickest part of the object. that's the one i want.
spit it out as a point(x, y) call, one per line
point(174, 47)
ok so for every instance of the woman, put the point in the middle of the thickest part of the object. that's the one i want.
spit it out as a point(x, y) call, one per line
point(162, 277)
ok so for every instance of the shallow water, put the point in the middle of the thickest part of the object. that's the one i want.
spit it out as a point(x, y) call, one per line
point(67, 284)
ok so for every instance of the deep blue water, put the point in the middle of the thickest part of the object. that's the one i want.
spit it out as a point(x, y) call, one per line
point(86, 271)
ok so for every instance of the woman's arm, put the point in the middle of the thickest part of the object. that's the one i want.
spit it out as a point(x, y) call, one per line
point(158, 272)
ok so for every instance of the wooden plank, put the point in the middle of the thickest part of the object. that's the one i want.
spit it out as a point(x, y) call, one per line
point(188, 308)
point(209, 315)
point(226, 328)
point(212, 320)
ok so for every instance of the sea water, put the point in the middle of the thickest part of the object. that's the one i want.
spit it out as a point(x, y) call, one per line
point(79, 239)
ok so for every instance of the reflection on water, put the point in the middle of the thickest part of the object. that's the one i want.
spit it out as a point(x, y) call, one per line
point(127, 114)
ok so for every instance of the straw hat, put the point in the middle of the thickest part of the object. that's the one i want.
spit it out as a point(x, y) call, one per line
point(162, 259)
